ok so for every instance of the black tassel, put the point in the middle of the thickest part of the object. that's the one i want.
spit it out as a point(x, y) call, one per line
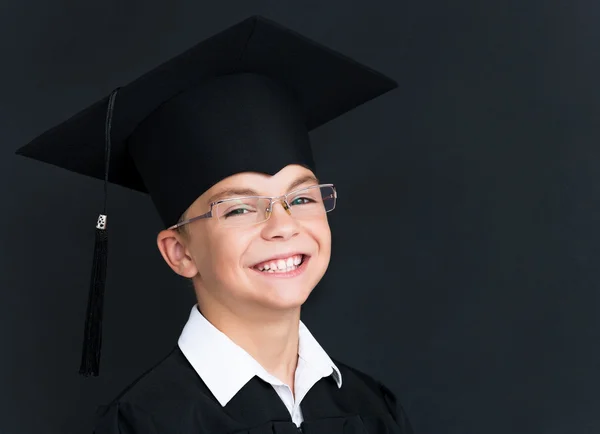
point(92, 336)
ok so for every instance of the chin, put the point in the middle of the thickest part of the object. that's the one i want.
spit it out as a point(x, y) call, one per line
point(287, 298)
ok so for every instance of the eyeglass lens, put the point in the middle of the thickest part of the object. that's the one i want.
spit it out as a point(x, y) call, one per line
point(307, 202)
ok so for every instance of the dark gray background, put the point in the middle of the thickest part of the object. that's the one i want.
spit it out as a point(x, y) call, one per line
point(466, 246)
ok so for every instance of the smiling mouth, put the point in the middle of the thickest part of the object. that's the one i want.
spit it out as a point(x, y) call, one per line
point(281, 266)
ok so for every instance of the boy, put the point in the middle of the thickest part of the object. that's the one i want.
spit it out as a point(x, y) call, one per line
point(218, 137)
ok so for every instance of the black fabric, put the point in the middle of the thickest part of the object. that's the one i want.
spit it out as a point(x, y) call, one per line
point(172, 399)
point(242, 100)
point(251, 123)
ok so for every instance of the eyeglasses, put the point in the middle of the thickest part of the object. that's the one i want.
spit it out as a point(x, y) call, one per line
point(250, 210)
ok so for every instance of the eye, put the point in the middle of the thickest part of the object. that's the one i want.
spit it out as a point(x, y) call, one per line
point(301, 201)
point(237, 212)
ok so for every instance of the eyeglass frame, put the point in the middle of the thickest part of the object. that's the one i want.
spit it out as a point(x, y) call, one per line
point(272, 200)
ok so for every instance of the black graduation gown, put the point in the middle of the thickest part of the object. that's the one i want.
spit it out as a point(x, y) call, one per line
point(172, 399)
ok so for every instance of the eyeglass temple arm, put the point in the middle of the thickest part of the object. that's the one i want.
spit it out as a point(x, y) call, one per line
point(185, 222)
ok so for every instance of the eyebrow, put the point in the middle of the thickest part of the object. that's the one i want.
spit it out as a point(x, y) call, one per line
point(222, 194)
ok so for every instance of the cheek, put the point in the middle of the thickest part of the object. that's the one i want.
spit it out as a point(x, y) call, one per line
point(222, 255)
point(322, 233)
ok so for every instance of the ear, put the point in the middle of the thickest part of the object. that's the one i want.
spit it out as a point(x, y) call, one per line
point(173, 249)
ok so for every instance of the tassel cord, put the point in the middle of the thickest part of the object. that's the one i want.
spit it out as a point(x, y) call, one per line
point(92, 339)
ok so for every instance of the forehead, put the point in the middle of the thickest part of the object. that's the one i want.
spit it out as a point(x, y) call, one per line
point(252, 183)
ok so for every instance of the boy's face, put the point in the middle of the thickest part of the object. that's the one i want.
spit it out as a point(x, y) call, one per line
point(222, 260)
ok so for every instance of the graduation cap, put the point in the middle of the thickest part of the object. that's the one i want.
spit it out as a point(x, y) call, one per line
point(243, 100)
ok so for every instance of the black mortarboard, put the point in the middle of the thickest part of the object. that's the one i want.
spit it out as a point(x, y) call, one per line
point(242, 100)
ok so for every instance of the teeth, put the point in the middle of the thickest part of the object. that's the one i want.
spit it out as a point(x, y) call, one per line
point(286, 270)
point(281, 265)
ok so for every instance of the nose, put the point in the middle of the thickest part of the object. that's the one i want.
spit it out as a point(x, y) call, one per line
point(280, 224)
point(274, 203)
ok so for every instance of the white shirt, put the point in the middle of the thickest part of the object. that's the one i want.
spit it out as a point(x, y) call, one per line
point(225, 367)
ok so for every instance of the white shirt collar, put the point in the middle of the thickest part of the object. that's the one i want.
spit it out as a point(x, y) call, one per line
point(225, 367)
